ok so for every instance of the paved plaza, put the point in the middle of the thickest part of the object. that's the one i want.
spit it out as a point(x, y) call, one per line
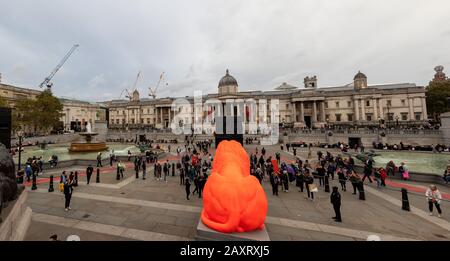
point(136, 209)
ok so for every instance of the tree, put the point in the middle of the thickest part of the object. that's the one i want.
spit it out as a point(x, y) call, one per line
point(41, 114)
point(47, 111)
point(438, 94)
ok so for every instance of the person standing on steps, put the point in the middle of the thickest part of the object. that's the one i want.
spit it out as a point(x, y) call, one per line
point(335, 199)
point(89, 172)
point(188, 188)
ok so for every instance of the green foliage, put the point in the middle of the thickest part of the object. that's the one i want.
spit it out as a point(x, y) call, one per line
point(41, 114)
point(438, 93)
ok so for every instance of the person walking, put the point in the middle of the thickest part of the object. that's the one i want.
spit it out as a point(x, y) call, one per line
point(188, 188)
point(285, 180)
point(354, 179)
point(99, 160)
point(275, 183)
point(367, 169)
point(144, 170)
point(342, 179)
point(299, 180)
point(321, 172)
point(403, 170)
point(89, 171)
point(201, 184)
point(434, 197)
point(181, 176)
point(121, 168)
point(309, 180)
point(166, 170)
point(136, 167)
point(335, 199)
point(383, 176)
point(68, 190)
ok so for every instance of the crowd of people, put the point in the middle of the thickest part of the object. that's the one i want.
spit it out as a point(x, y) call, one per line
point(307, 176)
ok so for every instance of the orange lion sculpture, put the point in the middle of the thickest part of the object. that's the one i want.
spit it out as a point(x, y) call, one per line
point(233, 200)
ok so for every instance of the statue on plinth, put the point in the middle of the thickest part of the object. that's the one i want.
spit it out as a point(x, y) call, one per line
point(233, 200)
point(8, 182)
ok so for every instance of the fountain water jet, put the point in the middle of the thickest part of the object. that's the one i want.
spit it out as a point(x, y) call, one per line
point(88, 145)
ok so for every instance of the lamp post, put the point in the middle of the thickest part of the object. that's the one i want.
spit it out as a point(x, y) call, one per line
point(396, 120)
point(20, 135)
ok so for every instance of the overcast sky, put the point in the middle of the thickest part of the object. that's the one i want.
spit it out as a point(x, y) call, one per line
point(263, 42)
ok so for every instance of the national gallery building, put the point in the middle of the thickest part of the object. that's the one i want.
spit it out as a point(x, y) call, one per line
point(355, 104)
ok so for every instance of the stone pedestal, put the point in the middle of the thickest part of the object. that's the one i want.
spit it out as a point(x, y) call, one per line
point(204, 233)
point(16, 219)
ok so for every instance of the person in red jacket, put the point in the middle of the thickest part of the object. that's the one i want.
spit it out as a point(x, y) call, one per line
point(383, 175)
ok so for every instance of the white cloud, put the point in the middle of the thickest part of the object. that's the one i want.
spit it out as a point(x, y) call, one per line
point(262, 42)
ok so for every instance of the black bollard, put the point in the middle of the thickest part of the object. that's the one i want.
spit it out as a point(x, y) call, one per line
point(173, 169)
point(405, 201)
point(118, 173)
point(327, 184)
point(34, 186)
point(50, 188)
point(97, 180)
point(362, 195)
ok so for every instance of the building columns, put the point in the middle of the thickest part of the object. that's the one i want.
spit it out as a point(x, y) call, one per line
point(161, 116)
point(302, 113)
point(314, 119)
point(380, 104)
point(375, 110)
point(322, 113)
point(363, 111)
point(170, 120)
point(294, 113)
point(411, 108)
point(356, 105)
point(424, 109)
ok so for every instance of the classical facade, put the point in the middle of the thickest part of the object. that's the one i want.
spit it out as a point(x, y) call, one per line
point(311, 106)
point(74, 115)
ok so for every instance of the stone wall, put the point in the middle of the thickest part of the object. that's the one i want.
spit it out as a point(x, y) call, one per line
point(16, 219)
point(64, 138)
point(419, 139)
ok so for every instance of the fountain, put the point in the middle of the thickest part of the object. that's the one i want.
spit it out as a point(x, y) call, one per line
point(88, 145)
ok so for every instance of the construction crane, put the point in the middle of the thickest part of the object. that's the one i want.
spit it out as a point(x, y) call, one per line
point(129, 95)
point(152, 91)
point(47, 80)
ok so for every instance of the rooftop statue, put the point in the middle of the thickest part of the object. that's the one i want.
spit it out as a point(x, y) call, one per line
point(233, 200)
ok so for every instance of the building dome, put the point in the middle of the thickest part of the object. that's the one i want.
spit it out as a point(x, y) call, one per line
point(228, 80)
point(360, 75)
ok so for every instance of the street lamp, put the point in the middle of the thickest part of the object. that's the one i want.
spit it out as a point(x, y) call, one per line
point(20, 136)
point(396, 120)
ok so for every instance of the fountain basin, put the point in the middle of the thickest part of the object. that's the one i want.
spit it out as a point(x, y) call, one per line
point(88, 147)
